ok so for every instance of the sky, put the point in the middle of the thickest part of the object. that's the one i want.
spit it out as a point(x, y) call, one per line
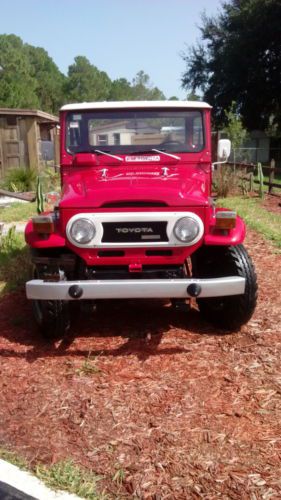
point(120, 37)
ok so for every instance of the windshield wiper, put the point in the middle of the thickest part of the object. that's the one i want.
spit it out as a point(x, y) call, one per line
point(108, 154)
point(167, 154)
point(153, 150)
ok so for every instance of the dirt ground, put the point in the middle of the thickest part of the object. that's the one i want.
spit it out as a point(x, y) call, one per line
point(172, 408)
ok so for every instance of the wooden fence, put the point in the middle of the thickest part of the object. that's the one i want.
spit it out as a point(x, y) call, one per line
point(251, 170)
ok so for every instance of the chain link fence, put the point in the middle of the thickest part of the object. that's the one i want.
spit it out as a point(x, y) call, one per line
point(256, 155)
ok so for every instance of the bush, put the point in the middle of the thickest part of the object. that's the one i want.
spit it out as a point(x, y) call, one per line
point(50, 179)
point(14, 261)
point(20, 179)
point(225, 181)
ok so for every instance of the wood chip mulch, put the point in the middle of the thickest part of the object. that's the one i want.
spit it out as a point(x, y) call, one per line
point(272, 203)
point(169, 409)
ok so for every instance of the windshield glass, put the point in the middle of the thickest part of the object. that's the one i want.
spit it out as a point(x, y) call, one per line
point(117, 131)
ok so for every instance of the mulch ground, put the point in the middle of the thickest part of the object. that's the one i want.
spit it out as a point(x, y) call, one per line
point(176, 408)
point(272, 203)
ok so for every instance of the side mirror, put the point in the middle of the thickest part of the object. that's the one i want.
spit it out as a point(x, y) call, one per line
point(224, 149)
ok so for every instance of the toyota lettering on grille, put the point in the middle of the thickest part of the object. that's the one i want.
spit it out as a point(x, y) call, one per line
point(134, 230)
point(129, 232)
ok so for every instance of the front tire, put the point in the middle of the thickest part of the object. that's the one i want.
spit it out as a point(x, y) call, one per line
point(52, 317)
point(230, 312)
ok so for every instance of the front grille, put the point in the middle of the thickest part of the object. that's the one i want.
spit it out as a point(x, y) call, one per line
point(134, 232)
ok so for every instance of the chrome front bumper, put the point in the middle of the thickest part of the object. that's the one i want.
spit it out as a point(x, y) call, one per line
point(135, 288)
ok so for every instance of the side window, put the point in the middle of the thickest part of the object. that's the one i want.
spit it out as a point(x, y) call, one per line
point(73, 134)
point(197, 132)
point(194, 132)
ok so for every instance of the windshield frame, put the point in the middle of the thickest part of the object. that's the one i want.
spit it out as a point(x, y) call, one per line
point(129, 149)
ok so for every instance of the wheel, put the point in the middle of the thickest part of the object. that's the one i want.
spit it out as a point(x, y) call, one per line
point(230, 312)
point(52, 316)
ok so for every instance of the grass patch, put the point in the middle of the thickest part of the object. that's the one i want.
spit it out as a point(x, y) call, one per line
point(14, 261)
point(256, 217)
point(17, 212)
point(69, 477)
point(89, 366)
point(13, 458)
point(277, 180)
point(64, 476)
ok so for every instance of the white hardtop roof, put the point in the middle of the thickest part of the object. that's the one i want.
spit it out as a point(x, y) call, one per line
point(134, 104)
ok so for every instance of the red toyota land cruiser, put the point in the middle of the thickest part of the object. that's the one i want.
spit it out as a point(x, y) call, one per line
point(136, 218)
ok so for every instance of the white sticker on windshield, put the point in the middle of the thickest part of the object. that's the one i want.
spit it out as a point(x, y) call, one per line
point(73, 125)
point(142, 158)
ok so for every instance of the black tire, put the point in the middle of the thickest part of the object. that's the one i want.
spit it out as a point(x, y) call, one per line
point(228, 313)
point(52, 317)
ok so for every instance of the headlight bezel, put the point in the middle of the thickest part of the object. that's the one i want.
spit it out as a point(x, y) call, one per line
point(195, 237)
point(82, 241)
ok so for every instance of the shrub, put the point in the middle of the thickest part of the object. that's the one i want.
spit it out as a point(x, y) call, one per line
point(20, 179)
point(225, 181)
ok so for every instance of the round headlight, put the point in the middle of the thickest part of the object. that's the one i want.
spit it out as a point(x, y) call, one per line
point(186, 229)
point(82, 231)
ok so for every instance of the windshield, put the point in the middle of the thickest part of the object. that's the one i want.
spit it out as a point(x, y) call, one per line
point(117, 131)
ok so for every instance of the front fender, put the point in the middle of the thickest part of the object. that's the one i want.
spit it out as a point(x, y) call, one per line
point(36, 240)
point(233, 237)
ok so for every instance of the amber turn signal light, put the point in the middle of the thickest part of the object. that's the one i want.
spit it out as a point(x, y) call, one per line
point(43, 224)
point(225, 220)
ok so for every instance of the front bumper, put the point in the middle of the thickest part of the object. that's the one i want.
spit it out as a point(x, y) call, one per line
point(136, 288)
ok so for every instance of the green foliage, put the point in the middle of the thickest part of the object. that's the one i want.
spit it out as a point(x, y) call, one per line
point(89, 366)
point(120, 90)
point(20, 179)
point(50, 179)
point(85, 82)
point(17, 212)
point(225, 181)
point(193, 97)
point(68, 476)
point(50, 81)
point(260, 177)
point(238, 59)
point(256, 217)
point(29, 78)
point(17, 83)
point(13, 458)
point(143, 90)
point(64, 476)
point(14, 261)
point(39, 196)
point(234, 128)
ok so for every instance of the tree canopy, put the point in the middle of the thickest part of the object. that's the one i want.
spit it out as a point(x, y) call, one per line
point(17, 83)
point(30, 78)
point(239, 59)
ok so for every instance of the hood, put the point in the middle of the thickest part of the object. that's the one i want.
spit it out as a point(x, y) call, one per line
point(180, 185)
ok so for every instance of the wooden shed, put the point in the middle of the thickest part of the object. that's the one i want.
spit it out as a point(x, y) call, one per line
point(28, 138)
